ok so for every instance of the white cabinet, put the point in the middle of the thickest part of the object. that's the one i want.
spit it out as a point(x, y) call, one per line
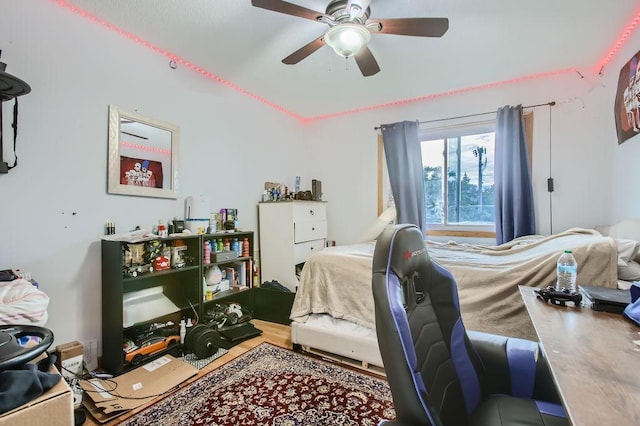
point(290, 232)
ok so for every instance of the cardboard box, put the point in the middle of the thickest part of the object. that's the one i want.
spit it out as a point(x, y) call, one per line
point(54, 408)
point(70, 359)
point(154, 378)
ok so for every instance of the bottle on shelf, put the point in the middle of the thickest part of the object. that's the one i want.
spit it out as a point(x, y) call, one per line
point(235, 246)
point(220, 245)
point(183, 330)
point(567, 272)
point(207, 252)
point(245, 247)
point(256, 274)
point(162, 229)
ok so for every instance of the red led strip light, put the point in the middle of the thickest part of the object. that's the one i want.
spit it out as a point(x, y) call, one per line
point(177, 59)
point(598, 67)
point(613, 50)
point(146, 148)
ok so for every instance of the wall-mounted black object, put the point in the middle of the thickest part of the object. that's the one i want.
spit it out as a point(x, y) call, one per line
point(10, 88)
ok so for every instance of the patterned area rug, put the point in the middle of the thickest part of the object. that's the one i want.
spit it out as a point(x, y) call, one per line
point(272, 386)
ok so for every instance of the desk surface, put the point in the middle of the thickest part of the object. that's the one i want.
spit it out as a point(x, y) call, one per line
point(593, 359)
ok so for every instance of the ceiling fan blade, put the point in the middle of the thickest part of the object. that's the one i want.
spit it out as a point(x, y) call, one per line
point(288, 8)
point(304, 51)
point(419, 27)
point(366, 62)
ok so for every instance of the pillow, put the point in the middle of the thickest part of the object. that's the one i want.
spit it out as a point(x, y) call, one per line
point(628, 229)
point(627, 251)
point(629, 272)
point(381, 222)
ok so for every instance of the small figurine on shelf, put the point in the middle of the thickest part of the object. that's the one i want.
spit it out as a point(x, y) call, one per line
point(160, 263)
point(153, 249)
point(178, 251)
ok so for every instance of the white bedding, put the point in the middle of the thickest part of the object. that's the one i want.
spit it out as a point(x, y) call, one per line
point(337, 280)
point(22, 303)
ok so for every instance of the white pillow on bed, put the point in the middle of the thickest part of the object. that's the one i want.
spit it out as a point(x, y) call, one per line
point(627, 251)
point(628, 268)
point(628, 229)
point(629, 272)
point(387, 217)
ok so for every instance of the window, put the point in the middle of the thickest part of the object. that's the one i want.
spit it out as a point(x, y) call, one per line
point(458, 177)
point(453, 207)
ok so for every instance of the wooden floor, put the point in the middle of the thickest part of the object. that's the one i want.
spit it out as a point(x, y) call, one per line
point(276, 334)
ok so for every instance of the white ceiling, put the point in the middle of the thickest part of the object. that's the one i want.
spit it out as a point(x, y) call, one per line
point(488, 41)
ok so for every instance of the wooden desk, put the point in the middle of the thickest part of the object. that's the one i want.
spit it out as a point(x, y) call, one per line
point(593, 359)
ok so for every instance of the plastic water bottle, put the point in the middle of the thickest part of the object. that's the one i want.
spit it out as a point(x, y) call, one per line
point(567, 271)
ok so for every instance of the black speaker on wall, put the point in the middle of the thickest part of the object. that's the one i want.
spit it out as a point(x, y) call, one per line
point(316, 189)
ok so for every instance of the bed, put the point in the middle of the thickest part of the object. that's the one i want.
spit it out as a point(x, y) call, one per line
point(333, 309)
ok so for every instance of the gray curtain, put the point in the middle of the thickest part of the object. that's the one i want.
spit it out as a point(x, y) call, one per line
point(406, 175)
point(513, 190)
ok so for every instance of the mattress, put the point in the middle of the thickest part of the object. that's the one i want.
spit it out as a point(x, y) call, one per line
point(337, 280)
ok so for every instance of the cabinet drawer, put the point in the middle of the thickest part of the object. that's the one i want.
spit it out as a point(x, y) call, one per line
point(309, 230)
point(302, 251)
point(306, 211)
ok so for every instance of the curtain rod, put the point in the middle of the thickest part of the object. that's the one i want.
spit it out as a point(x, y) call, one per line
point(552, 103)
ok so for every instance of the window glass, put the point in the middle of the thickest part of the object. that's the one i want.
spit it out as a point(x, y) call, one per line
point(463, 195)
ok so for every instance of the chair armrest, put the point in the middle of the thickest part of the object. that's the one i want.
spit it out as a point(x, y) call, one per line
point(514, 367)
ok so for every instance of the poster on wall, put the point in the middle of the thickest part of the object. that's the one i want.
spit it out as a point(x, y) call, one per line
point(140, 172)
point(627, 105)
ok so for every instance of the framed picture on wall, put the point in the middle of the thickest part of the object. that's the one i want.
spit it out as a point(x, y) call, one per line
point(140, 172)
point(627, 104)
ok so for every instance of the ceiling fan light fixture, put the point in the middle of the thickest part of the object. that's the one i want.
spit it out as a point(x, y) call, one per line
point(347, 38)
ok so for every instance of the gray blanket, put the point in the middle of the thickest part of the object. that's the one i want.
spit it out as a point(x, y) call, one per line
point(337, 280)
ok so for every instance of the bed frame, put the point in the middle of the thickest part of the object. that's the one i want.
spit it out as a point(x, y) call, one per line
point(332, 340)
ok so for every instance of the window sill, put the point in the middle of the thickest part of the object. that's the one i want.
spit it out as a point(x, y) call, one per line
point(459, 233)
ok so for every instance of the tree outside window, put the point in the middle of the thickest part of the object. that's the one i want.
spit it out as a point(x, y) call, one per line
point(464, 195)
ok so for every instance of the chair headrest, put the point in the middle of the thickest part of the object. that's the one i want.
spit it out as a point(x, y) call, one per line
point(402, 249)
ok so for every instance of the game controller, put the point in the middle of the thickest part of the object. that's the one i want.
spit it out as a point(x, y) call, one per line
point(559, 297)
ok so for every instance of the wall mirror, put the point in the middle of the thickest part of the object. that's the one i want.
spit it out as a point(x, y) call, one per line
point(143, 155)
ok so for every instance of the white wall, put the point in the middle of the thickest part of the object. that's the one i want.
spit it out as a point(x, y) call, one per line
point(231, 145)
point(54, 204)
point(582, 138)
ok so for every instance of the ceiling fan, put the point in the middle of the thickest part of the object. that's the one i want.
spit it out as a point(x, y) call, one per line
point(350, 29)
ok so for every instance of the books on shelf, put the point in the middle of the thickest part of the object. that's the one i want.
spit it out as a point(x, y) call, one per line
point(239, 273)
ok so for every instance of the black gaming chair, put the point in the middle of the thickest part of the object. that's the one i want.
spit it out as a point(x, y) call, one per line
point(439, 373)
